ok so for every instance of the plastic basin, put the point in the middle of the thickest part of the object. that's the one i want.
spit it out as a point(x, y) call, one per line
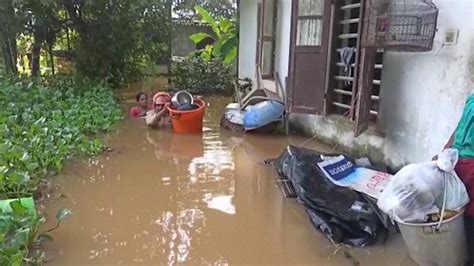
point(188, 122)
point(428, 245)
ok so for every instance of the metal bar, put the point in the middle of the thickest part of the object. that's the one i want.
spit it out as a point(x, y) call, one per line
point(341, 105)
point(343, 92)
point(375, 98)
point(348, 36)
point(343, 78)
point(377, 82)
point(351, 6)
point(339, 64)
point(349, 21)
point(309, 17)
point(372, 112)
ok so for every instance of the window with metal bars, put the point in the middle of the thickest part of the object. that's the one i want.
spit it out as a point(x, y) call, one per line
point(348, 92)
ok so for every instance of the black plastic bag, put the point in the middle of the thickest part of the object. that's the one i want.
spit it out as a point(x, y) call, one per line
point(342, 214)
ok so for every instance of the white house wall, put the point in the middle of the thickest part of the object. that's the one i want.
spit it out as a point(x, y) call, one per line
point(248, 38)
point(422, 96)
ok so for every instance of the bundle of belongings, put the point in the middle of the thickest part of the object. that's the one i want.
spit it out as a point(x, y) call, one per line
point(418, 192)
point(351, 204)
point(339, 196)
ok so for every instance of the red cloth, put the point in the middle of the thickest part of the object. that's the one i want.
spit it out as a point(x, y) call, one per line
point(465, 171)
point(136, 111)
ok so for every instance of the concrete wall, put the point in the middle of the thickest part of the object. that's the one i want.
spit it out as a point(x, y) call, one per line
point(181, 44)
point(248, 38)
point(421, 100)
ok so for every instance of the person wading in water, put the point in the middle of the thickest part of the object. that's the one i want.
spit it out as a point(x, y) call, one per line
point(161, 101)
point(462, 139)
point(142, 105)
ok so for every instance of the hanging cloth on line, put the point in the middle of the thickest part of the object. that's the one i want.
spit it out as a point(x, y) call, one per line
point(347, 58)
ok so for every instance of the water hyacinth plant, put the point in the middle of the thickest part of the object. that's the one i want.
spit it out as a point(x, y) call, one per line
point(41, 125)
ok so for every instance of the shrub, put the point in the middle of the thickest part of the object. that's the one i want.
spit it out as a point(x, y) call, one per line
point(198, 75)
point(41, 126)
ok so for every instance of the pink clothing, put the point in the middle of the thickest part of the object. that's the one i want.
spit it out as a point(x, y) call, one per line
point(137, 111)
point(465, 171)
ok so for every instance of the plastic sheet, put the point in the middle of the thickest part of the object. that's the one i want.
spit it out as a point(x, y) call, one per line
point(341, 214)
point(418, 189)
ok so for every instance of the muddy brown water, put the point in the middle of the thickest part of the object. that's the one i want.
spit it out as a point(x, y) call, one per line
point(162, 198)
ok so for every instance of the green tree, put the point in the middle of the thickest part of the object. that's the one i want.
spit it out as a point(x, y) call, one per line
point(116, 38)
point(225, 37)
point(43, 22)
point(10, 26)
point(184, 9)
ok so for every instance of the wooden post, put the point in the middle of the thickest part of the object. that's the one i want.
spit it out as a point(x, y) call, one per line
point(170, 39)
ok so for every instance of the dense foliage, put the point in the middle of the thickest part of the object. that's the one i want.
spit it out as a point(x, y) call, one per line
point(199, 75)
point(113, 39)
point(119, 39)
point(116, 40)
point(41, 126)
point(184, 9)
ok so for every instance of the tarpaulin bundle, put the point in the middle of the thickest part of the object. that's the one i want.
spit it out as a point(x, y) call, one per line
point(341, 214)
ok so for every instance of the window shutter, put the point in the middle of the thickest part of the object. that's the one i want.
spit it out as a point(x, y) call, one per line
point(364, 84)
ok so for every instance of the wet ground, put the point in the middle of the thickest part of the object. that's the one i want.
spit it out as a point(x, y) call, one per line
point(162, 198)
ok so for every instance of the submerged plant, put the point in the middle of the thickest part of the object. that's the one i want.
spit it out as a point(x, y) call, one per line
point(41, 126)
point(20, 236)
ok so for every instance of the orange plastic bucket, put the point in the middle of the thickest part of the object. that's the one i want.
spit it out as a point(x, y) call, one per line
point(188, 121)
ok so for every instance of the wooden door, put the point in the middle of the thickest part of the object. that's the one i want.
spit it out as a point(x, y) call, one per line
point(308, 55)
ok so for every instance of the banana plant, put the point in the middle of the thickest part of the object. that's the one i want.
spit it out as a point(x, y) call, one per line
point(224, 37)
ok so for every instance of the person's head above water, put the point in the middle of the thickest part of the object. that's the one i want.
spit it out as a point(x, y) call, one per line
point(142, 99)
point(160, 101)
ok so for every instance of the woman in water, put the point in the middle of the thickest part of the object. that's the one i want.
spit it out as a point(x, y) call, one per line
point(142, 106)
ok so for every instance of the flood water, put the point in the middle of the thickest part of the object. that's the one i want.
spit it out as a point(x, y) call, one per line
point(163, 198)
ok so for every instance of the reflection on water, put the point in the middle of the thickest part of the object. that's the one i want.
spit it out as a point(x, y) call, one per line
point(163, 198)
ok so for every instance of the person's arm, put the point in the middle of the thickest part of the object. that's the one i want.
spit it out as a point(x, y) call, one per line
point(450, 142)
point(159, 115)
point(448, 145)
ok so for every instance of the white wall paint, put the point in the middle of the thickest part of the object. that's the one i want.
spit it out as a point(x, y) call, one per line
point(248, 38)
point(282, 41)
point(423, 94)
